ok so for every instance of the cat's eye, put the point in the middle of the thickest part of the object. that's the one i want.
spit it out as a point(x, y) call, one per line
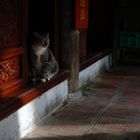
point(44, 42)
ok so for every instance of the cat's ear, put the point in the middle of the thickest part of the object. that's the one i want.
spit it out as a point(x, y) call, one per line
point(48, 34)
point(36, 34)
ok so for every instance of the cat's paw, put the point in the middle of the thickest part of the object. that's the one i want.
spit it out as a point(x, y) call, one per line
point(43, 80)
point(49, 79)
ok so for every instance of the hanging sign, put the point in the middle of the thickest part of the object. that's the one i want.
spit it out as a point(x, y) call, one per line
point(81, 14)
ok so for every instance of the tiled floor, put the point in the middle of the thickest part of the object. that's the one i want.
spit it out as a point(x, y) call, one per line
point(107, 108)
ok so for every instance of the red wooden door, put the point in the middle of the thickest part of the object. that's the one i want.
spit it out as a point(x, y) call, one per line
point(12, 45)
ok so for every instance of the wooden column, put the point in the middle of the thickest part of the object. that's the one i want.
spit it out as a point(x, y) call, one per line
point(69, 44)
point(83, 43)
point(74, 65)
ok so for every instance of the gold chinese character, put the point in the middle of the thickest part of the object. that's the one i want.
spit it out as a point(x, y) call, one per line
point(82, 14)
point(82, 3)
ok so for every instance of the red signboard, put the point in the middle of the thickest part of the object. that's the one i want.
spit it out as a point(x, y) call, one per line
point(81, 14)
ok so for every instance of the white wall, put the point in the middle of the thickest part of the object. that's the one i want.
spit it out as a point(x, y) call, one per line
point(94, 70)
point(17, 125)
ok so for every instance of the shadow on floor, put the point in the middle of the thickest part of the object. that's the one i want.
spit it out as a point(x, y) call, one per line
point(129, 136)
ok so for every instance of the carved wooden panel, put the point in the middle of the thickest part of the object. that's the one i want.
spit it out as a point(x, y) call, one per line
point(9, 70)
point(13, 45)
point(9, 23)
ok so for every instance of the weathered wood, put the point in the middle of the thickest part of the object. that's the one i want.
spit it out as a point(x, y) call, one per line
point(74, 76)
point(70, 44)
point(83, 43)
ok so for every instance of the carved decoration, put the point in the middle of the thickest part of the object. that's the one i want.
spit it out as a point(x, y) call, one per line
point(9, 22)
point(9, 70)
point(81, 14)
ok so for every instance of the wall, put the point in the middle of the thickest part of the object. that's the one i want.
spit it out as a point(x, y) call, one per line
point(94, 70)
point(19, 123)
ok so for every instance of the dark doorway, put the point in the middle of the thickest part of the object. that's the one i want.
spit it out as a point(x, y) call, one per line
point(100, 31)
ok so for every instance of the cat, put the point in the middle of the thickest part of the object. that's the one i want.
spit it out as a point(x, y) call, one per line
point(43, 63)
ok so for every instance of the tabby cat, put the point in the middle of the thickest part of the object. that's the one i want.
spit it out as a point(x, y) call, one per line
point(43, 63)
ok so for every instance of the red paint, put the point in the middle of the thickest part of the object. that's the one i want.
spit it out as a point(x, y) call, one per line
point(81, 14)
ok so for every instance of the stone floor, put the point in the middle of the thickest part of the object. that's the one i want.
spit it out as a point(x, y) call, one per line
point(107, 108)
